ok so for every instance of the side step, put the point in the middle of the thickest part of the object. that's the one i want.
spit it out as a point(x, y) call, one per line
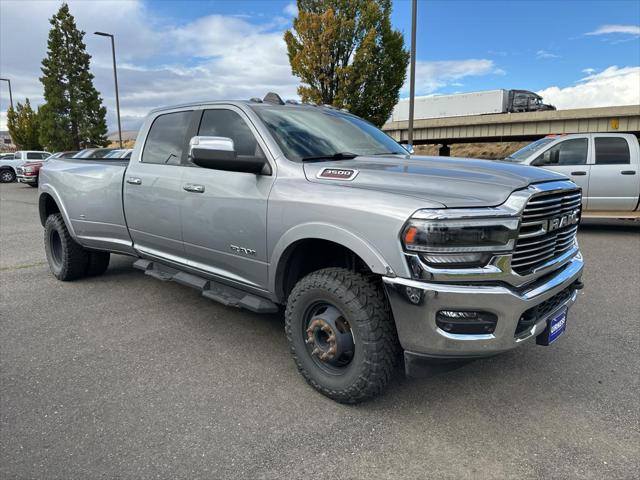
point(229, 296)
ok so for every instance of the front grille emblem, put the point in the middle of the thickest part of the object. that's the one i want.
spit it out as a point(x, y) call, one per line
point(570, 218)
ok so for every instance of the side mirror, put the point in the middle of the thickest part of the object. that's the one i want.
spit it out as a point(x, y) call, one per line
point(218, 153)
point(409, 148)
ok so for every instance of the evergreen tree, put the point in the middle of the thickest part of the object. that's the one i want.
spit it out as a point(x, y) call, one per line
point(73, 116)
point(23, 126)
point(347, 55)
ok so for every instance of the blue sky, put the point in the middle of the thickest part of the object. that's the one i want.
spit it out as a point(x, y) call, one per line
point(575, 53)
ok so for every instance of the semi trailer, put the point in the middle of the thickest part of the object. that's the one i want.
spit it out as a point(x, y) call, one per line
point(472, 103)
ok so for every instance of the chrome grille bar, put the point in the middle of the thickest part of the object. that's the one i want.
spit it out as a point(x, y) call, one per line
point(538, 243)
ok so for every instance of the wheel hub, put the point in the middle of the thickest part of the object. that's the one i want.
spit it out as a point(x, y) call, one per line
point(329, 336)
point(323, 339)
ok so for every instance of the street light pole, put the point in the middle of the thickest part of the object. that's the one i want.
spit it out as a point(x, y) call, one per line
point(412, 74)
point(115, 78)
point(10, 95)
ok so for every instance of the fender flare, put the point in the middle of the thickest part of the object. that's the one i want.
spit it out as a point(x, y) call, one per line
point(322, 231)
point(51, 191)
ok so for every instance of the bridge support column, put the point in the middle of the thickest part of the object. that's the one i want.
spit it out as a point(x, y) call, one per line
point(444, 151)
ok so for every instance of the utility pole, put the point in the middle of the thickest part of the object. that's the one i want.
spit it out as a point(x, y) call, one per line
point(115, 78)
point(412, 74)
point(10, 95)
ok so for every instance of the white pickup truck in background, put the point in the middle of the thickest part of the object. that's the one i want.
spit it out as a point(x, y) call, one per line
point(605, 165)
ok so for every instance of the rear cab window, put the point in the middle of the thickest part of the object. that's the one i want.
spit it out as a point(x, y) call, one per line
point(612, 151)
point(165, 143)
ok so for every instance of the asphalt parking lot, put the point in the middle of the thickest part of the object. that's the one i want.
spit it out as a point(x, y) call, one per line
point(123, 376)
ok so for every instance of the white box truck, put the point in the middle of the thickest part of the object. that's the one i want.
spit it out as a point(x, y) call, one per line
point(472, 103)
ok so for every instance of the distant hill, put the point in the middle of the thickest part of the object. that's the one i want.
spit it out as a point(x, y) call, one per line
point(126, 135)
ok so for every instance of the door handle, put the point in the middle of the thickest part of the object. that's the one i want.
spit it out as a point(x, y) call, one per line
point(190, 187)
point(628, 172)
point(134, 181)
point(579, 172)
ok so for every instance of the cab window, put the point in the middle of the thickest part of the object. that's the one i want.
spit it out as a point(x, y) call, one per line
point(568, 152)
point(229, 124)
point(166, 139)
point(612, 151)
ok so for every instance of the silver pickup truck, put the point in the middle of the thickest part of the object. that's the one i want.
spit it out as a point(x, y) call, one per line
point(373, 253)
point(606, 166)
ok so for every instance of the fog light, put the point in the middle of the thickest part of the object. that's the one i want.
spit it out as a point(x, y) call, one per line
point(466, 322)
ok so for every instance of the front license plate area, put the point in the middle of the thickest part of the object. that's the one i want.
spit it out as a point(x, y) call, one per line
point(555, 327)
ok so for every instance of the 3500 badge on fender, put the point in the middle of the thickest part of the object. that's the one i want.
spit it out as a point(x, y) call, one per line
point(338, 173)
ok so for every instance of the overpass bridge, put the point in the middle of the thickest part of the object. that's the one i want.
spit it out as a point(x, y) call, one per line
point(518, 127)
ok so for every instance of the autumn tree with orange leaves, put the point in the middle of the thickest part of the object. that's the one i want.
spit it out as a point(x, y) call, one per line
point(346, 54)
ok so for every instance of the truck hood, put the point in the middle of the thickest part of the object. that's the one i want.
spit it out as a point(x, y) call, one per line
point(453, 182)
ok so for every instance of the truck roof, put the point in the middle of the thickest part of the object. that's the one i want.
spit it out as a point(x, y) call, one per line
point(271, 99)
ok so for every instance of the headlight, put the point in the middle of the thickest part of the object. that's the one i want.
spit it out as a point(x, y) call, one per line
point(459, 241)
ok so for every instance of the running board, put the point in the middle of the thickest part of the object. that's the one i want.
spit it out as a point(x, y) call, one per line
point(226, 295)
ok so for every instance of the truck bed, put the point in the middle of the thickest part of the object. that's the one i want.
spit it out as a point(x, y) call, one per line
point(96, 212)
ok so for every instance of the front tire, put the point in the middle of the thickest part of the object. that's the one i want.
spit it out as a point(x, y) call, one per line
point(67, 259)
point(341, 334)
point(7, 176)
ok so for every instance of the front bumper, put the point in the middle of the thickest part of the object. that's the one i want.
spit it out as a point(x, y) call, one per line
point(415, 304)
point(25, 179)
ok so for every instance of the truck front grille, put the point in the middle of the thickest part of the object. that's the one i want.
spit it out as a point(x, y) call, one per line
point(548, 229)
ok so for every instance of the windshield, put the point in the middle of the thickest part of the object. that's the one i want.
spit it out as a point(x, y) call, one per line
point(114, 154)
point(314, 132)
point(92, 153)
point(526, 152)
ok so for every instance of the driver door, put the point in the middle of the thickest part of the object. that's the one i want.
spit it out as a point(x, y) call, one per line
point(224, 213)
point(571, 158)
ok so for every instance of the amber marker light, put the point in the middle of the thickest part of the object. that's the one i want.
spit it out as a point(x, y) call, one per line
point(410, 235)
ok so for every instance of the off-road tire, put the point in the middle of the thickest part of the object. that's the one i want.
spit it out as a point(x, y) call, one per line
point(364, 304)
point(7, 175)
point(67, 259)
point(98, 263)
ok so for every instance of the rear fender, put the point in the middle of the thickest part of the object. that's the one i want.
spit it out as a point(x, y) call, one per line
point(48, 189)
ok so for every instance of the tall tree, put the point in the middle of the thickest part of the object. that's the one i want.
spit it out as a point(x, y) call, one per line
point(73, 116)
point(24, 126)
point(347, 55)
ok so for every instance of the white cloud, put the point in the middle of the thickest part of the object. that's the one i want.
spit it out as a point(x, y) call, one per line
point(159, 62)
point(589, 71)
point(432, 76)
point(613, 86)
point(291, 9)
point(621, 29)
point(541, 54)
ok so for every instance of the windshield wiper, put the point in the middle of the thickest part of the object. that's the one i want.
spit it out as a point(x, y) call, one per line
point(389, 153)
point(334, 156)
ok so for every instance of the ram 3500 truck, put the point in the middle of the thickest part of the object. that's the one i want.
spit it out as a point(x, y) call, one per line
point(267, 204)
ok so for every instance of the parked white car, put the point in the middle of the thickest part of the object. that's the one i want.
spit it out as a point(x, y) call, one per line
point(9, 164)
point(605, 165)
